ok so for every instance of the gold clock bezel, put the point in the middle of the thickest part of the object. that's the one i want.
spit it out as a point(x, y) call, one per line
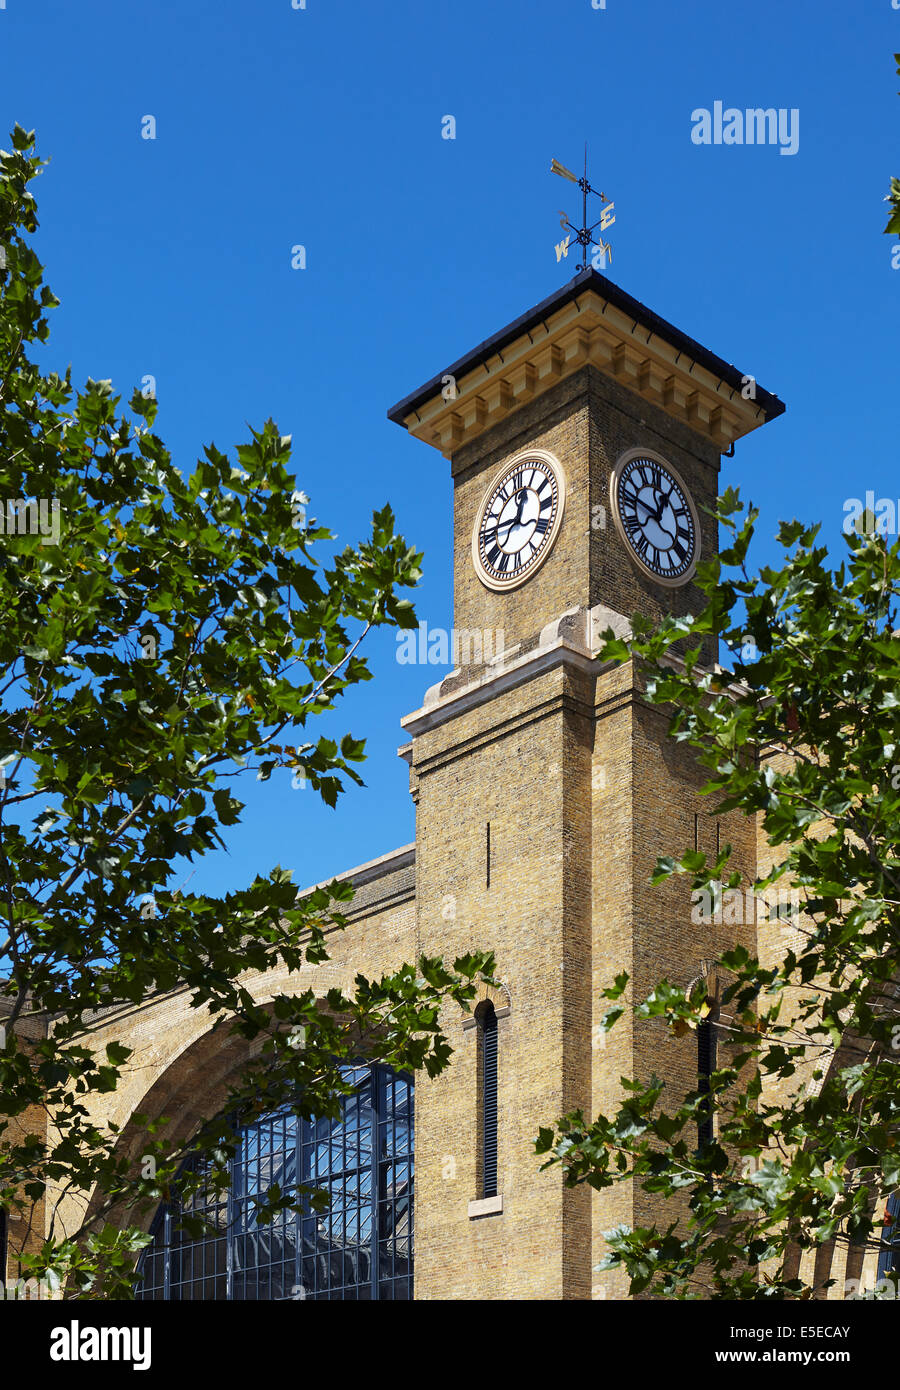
point(622, 462)
point(552, 463)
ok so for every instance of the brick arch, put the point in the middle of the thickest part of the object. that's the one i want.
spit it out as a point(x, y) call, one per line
point(191, 1089)
point(499, 995)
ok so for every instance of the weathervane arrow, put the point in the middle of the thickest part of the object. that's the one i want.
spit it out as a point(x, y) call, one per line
point(584, 235)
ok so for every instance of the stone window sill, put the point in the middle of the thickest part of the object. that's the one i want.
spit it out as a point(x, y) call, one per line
point(485, 1206)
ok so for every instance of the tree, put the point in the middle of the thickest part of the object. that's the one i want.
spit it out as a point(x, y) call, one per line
point(162, 636)
point(797, 1159)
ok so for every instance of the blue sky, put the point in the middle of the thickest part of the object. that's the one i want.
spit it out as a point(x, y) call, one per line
point(322, 127)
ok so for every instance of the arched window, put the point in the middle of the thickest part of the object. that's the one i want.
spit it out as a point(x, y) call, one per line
point(360, 1248)
point(486, 1018)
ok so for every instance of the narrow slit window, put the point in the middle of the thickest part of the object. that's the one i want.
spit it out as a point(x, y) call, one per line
point(706, 1065)
point(487, 1037)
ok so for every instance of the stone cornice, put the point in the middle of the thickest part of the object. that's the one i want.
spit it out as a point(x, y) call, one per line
point(588, 329)
point(573, 639)
point(373, 868)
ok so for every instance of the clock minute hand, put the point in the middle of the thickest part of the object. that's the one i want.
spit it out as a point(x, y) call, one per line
point(660, 504)
point(523, 498)
point(657, 515)
point(663, 502)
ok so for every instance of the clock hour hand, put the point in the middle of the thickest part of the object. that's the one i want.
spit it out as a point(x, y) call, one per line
point(661, 506)
point(507, 526)
point(638, 502)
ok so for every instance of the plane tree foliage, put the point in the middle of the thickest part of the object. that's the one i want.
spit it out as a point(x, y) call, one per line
point(164, 635)
point(794, 1142)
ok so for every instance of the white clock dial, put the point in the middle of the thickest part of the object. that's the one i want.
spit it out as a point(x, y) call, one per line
point(518, 520)
point(655, 516)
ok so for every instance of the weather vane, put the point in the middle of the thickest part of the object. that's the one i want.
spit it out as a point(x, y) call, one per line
point(584, 235)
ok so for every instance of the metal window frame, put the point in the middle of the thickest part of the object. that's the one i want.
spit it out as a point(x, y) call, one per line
point(380, 1094)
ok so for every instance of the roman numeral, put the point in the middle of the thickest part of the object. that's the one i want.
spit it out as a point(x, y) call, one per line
point(492, 555)
point(503, 563)
point(541, 525)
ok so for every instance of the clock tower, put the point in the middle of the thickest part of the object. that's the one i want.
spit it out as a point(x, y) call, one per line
point(584, 442)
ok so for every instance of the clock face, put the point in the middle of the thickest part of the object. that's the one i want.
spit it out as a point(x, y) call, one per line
point(656, 517)
point(518, 520)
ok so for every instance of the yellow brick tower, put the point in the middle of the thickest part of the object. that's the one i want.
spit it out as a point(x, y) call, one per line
point(584, 443)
